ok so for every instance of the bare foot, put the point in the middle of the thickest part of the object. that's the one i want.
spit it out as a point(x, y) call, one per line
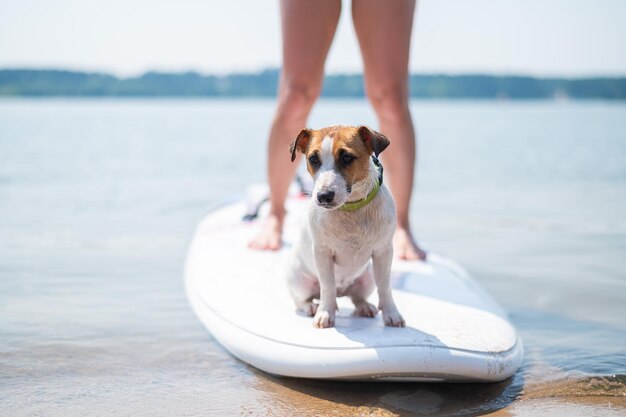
point(269, 236)
point(405, 247)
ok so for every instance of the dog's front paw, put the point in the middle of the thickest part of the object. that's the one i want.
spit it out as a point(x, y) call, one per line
point(324, 318)
point(392, 317)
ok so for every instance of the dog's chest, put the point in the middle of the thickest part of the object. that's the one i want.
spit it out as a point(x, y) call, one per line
point(352, 245)
point(352, 236)
point(351, 233)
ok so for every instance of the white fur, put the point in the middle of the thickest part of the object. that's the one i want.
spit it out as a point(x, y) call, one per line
point(343, 253)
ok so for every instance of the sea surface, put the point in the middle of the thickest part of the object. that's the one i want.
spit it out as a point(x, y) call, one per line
point(99, 200)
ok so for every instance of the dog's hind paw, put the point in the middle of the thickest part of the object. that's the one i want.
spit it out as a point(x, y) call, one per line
point(365, 309)
point(308, 307)
point(323, 319)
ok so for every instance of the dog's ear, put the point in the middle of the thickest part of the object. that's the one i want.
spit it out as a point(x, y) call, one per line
point(300, 143)
point(374, 141)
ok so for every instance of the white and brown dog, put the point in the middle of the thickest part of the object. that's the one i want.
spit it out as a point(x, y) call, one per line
point(350, 221)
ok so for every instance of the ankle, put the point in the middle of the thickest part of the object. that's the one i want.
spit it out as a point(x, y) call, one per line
point(277, 213)
point(403, 226)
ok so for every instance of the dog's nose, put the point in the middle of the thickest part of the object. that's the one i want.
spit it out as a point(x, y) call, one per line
point(325, 198)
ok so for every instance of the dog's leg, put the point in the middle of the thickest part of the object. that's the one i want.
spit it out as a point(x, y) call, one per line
point(325, 264)
point(360, 289)
point(382, 275)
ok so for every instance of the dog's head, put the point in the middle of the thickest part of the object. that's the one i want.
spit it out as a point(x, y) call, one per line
point(337, 157)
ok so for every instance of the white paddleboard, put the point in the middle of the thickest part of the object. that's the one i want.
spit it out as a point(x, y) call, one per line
point(455, 331)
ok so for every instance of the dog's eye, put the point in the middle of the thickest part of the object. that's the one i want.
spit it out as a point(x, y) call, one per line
point(346, 158)
point(314, 160)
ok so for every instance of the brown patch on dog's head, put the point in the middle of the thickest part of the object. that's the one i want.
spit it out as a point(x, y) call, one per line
point(352, 155)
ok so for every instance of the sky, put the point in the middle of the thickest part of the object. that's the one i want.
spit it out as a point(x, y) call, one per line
point(570, 38)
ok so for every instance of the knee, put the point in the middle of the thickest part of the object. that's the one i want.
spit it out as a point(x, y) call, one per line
point(391, 103)
point(296, 100)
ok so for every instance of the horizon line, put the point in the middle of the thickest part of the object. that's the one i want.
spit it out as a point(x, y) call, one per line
point(277, 69)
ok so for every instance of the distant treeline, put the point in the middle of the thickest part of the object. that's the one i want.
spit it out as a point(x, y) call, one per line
point(22, 82)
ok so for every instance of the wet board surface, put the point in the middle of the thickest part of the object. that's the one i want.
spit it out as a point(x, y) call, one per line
point(455, 331)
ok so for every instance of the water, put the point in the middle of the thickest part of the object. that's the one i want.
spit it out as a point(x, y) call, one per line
point(99, 199)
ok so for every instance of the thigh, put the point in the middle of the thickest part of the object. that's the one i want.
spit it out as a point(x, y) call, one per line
point(308, 28)
point(383, 29)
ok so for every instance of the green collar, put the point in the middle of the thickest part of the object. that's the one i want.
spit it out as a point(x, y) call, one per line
point(355, 205)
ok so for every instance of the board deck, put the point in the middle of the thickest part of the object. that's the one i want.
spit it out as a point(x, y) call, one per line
point(455, 331)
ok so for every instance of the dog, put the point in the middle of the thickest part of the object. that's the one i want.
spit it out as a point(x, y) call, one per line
point(345, 245)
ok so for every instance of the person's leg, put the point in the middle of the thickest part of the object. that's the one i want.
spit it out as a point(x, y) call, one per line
point(308, 28)
point(383, 29)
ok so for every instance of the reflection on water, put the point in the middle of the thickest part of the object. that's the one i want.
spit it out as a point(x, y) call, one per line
point(100, 198)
